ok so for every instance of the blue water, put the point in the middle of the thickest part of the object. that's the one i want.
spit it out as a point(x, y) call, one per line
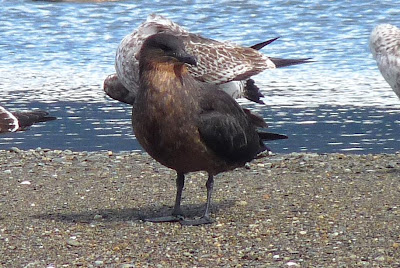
point(55, 56)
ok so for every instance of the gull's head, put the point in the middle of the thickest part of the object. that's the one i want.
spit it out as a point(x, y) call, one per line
point(164, 47)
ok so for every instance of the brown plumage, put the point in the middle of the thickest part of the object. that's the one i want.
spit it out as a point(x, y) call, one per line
point(17, 121)
point(225, 64)
point(187, 125)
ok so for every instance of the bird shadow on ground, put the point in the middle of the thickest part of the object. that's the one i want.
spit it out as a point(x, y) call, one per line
point(132, 214)
point(388, 170)
point(394, 170)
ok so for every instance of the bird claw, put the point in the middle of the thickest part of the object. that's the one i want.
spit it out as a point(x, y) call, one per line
point(200, 221)
point(171, 218)
point(181, 220)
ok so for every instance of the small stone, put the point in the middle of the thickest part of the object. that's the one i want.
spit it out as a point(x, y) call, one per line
point(33, 264)
point(241, 203)
point(303, 232)
point(334, 234)
point(98, 263)
point(59, 160)
point(353, 256)
point(15, 150)
point(73, 242)
point(380, 258)
point(127, 265)
point(25, 182)
point(391, 165)
point(187, 254)
point(97, 217)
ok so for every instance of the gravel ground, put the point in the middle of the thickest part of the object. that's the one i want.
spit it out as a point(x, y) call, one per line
point(69, 209)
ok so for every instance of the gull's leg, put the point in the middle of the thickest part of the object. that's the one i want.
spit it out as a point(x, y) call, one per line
point(180, 183)
point(177, 212)
point(210, 187)
point(205, 219)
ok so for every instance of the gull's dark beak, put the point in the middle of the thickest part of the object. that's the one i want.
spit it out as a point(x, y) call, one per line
point(187, 58)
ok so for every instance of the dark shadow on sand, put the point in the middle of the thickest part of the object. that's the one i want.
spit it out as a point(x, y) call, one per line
point(132, 214)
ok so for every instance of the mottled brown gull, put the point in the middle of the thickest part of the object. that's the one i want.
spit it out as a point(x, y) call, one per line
point(222, 63)
point(384, 43)
point(17, 121)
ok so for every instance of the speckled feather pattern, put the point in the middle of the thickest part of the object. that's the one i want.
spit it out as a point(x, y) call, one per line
point(16, 121)
point(385, 47)
point(8, 122)
point(218, 62)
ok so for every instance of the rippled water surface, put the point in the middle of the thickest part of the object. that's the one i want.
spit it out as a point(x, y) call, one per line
point(55, 56)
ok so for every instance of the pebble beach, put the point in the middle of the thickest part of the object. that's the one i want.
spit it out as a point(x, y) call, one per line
point(85, 209)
